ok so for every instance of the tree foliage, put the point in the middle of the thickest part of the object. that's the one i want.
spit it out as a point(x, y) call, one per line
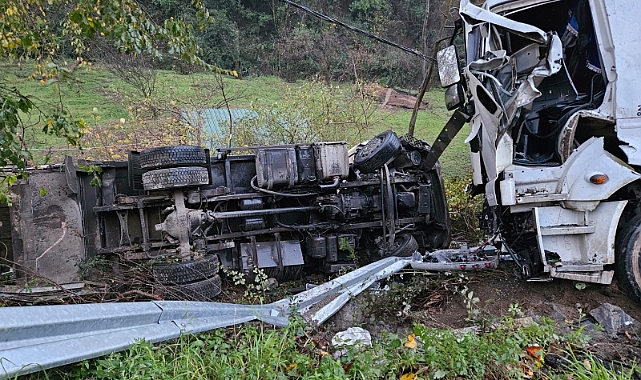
point(250, 36)
point(39, 28)
point(270, 37)
point(51, 33)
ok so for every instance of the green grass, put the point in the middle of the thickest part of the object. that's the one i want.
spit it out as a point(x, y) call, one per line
point(94, 91)
point(257, 351)
point(90, 87)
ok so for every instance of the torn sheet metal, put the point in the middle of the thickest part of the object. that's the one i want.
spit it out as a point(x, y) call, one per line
point(33, 338)
point(474, 15)
point(588, 236)
point(496, 111)
point(485, 257)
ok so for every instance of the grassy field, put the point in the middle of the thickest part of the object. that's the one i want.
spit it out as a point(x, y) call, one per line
point(102, 100)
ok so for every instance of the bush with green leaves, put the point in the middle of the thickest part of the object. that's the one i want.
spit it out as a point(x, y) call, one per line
point(52, 36)
point(309, 113)
point(464, 209)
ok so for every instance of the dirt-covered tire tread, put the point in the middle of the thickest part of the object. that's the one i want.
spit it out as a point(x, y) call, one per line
point(205, 290)
point(184, 272)
point(377, 152)
point(169, 178)
point(405, 246)
point(172, 156)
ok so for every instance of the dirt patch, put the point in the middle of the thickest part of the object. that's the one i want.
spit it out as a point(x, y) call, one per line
point(499, 292)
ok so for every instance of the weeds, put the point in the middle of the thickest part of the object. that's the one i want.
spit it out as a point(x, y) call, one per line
point(471, 304)
point(464, 210)
point(256, 351)
point(311, 112)
point(515, 310)
point(589, 367)
point(255, 284)
point(417, 291)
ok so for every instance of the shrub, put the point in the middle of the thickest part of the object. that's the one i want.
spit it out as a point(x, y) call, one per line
point(464, 210)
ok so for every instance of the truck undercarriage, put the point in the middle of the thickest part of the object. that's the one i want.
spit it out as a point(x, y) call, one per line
point(282, 209)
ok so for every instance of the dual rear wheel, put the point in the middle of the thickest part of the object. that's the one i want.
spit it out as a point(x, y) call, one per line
point(176, 167)
point(172, 167)
point(194, 280)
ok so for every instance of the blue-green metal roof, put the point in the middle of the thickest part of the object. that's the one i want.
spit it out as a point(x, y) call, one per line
point(214, 123)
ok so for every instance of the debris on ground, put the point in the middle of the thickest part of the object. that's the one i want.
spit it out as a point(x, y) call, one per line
point(356, 337)
point(614, 320)
point(391, 98)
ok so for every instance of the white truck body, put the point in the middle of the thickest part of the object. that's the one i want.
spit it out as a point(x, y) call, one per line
point(555, 131)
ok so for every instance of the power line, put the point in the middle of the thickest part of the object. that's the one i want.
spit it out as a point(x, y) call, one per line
point(364, 32)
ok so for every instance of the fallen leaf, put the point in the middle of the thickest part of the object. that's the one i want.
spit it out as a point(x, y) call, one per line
point(535, 351)
point(411, 341)
point(440, 374)
point(291, 366)
point(408, 376)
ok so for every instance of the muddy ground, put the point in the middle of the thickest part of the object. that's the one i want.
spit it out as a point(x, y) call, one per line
point(443, 305)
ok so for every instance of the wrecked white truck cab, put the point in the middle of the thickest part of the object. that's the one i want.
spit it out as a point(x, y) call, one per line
point(555, 132)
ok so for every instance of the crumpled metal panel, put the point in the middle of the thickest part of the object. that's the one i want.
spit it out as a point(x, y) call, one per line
point(33, 338)
point(475, 15)
point(320, 303)
point(578, 237)
point(570, 182)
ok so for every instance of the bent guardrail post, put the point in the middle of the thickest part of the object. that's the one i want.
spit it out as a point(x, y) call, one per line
point(320, 303)
point(33, 338)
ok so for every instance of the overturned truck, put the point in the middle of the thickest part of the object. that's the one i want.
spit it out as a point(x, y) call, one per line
point(548, 90)
point(282, 209)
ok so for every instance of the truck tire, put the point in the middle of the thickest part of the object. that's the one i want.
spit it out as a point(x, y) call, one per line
point(171, 178)
point(185, 272)
point(404, 246)
point(205, 290)
point(171, 156)
point(377, 152)
point(628, 258)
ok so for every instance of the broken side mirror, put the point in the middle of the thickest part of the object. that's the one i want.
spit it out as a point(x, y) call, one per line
point(448, 66)
point(454, 96)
